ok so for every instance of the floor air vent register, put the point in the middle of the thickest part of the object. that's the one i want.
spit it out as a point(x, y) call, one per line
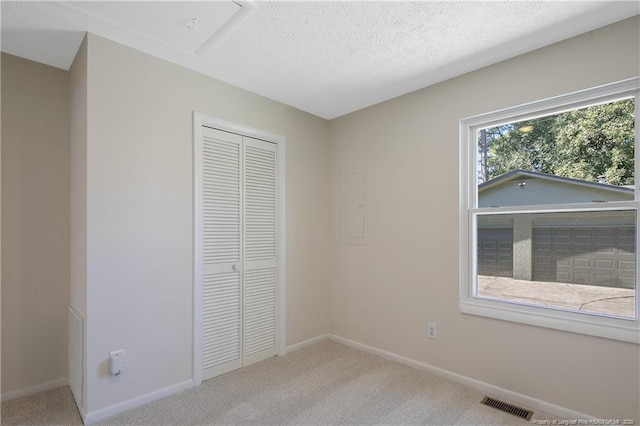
point(507, 408)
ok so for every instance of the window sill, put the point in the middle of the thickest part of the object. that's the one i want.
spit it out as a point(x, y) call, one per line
point(625, 330)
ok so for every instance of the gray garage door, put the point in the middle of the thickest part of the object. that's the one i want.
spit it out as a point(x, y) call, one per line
point(495, 252)
point(594, 256)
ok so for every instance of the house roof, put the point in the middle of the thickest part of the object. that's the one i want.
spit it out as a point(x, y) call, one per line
point(518, 174)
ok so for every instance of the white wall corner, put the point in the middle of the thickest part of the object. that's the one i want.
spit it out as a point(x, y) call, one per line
point(308, 342)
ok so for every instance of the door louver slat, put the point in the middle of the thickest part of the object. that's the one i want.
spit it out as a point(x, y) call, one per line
point(260, 174)
point(260, 245)
point(221, 331)
point(238, 245)
point(259, 310)
point(221, 245)
point(221, 187)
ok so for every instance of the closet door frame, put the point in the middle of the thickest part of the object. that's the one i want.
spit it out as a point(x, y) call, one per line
point(200, 120)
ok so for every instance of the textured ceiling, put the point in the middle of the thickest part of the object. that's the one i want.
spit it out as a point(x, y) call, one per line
point(326, 58)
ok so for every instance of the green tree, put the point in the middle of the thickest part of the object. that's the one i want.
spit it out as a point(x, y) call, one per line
point(580, 144)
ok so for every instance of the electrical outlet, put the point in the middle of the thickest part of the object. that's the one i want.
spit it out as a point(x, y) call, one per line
point(432, 330)
point(116, 359)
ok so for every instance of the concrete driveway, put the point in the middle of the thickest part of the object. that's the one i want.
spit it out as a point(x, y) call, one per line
point(603, 300)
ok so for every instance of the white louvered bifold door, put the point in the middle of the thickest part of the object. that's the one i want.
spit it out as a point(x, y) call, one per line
point(221, 252)
point(260, 200)
point(238, 251)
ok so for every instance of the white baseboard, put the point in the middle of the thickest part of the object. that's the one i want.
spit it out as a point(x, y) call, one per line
point(32, 390)
point(307, 342)
point(489, 389)
point(96, 416)
point(486, 388)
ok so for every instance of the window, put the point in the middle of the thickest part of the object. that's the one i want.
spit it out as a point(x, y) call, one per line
point(549, 213)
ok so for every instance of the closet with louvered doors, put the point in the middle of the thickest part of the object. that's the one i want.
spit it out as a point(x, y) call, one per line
point(236, 249)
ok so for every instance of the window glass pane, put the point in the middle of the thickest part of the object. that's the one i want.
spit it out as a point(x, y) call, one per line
point(578, 156)
point(579, 261)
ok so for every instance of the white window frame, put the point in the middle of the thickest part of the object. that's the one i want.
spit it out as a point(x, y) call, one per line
point(622, 329)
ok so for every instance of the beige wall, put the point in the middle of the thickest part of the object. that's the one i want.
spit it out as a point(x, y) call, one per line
point(384, 293)
point(131, 204)
point(35, 223)
point(140, 216)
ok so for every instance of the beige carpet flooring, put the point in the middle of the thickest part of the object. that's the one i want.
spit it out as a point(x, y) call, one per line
point(323, 384)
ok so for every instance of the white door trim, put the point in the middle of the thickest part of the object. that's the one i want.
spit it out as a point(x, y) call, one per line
point(200, 120)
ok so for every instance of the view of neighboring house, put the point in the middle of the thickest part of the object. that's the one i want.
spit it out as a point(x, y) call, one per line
point(594, 248)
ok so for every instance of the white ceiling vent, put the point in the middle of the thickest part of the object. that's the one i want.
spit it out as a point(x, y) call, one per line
point(187, 26)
